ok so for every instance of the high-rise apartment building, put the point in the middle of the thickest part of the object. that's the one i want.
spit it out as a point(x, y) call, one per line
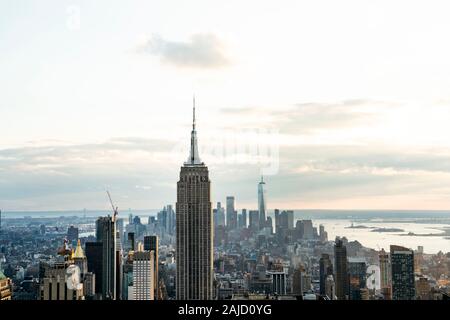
point(194, 247)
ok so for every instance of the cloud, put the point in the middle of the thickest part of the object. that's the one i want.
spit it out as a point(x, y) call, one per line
point(204, 51)
point(310, 117)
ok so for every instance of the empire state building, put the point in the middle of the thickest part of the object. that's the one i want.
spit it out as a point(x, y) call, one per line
point(194, 220)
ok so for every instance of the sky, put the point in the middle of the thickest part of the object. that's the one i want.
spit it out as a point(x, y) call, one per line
point(339, 104)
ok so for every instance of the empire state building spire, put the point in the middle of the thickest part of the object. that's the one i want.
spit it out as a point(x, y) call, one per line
point(194, 158)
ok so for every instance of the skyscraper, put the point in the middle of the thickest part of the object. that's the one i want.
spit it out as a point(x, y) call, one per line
point(384, 269)
point(72, 234)
point(357, 271)
point(402, 272)
point(106, 234)
point(151, 244)
point(262, 203)
point(340, 265)
point(143, 275)
point(231, 213)
point(253, 216)
point(94, 255)
point(194, 248)
point(325, 269)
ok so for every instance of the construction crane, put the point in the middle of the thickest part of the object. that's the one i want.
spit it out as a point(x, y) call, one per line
point(115, 209)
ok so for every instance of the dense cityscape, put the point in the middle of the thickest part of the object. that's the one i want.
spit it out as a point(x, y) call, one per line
point(195, 252)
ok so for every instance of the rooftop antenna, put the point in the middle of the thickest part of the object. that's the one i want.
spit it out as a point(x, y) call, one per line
point(193, 113)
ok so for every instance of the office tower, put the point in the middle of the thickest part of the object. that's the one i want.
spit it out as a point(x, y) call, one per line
point(219, 215)
point(72, 234)
point(143, 275)
point(170, 219)
point(231, 213)
point(340, 265)
point(297, 287)
point(0, 221)
point(423, 289)
point(151, 244)
point(325, 269)
point(5, 287)
point(53, 285)
point(120, 229)
point(42, 229)
point(269, 225)
point(194, 249)
point(330, 287)
point(262, 203)
point(131, 241)
point(162, 218)
point(323, 235)
point(244, 218)
point(106, 234)
point(402, 273)
point(277, 221)
point(130, 218)
point(278, 282)
point(60, 279)
point(384, 269)
point(299, 230)
point(94, 256)
point(253, 219)
point(308, 230)
point(357, 272)
point(127, 279)
point(418, 259)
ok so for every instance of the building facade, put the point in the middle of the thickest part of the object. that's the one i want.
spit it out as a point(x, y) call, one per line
point(194, 241)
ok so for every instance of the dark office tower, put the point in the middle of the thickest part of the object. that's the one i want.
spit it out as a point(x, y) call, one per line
point(231, 213)
point(194, 251)
point(297, 287)
point(357, 271)
point(106, 234)
point(151, 244)
point(94, 254)
point(325, 269)
point(131, 240)
point(340, 265)
point(262, 203)
point(72, 234)
point(402, 272)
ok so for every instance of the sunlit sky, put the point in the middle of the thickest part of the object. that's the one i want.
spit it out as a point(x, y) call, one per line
point(353, 96)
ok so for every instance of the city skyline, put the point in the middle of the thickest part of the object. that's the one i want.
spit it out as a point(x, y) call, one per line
point(357, 125)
